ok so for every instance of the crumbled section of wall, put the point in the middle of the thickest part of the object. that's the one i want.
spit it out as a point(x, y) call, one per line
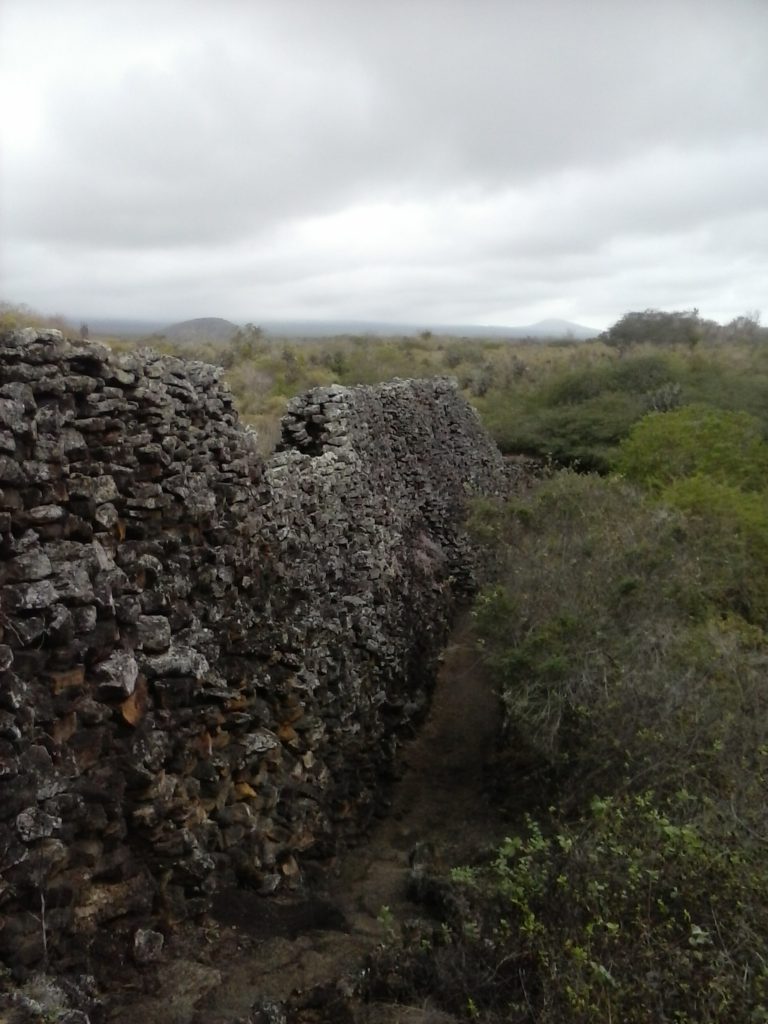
point(205, 660)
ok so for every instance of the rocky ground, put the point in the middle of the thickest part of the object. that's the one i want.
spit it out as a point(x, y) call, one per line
point(261, 962)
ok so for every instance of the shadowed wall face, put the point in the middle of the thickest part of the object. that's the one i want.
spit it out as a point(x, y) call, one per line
point(205, 659)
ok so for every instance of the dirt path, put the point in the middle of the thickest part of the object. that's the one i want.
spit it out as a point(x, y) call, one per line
point(439, 802)
point(440, 799)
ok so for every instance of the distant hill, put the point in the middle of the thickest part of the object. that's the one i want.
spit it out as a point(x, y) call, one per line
point(204, 328)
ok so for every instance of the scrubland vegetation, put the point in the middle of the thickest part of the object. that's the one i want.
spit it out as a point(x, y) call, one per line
point(625, 629)
point(626, 635)
point(624, 626)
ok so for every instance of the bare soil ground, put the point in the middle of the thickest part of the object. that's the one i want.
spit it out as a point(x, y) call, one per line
point(254, 950)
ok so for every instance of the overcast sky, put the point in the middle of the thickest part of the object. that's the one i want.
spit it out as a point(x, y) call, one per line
point(428, 161)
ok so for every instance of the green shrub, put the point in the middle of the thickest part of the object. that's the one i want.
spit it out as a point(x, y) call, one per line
point(640, 910)
point(733, 379)
point(586, 434)
point(666, 447)
point(643, 373)
point(616, 634)
point(712, 465)
point(731, 530)
point(636, 376)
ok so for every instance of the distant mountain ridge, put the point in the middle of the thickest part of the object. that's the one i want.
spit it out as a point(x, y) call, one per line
point(219, 330)
point(552, 328)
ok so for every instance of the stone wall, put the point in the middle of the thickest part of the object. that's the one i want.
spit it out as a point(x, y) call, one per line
point(206, 660)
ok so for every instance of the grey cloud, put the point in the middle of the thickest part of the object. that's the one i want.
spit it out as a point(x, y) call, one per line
point(185, 151)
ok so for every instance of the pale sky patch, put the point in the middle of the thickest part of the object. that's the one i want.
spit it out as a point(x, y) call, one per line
point(427, 162)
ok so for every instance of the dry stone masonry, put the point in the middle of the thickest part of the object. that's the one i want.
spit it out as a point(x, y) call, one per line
point(206, 660)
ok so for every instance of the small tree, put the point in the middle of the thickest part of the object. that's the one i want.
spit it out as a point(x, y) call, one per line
point(746, 328)
point(246, 343)
point(655, 327)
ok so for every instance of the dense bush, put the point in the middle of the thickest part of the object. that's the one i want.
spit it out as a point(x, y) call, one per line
point(611, 637)
point(727, 447)
point(585, 434)
point(639, 910)
point(582, 413)
point(634, 884)
point(713, 466)
point(657, 327)
point(638, 376)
